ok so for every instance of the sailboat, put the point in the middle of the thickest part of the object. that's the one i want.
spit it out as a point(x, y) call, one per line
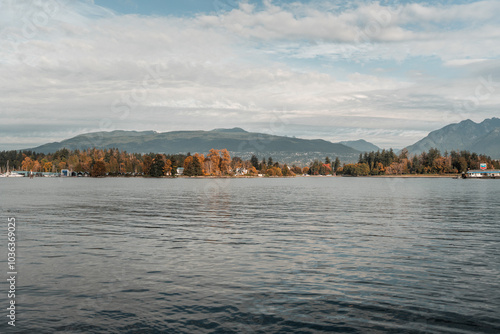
point(9, 173)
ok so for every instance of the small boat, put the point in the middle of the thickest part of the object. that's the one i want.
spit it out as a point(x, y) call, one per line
point(10, 174)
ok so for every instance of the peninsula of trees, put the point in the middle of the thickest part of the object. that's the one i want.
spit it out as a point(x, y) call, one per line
point(431, 162)
point(113, 162)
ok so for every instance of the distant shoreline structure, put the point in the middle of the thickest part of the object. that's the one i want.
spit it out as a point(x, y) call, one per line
point(482, 174)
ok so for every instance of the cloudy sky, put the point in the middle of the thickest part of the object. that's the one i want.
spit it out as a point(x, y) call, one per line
point(388, 71)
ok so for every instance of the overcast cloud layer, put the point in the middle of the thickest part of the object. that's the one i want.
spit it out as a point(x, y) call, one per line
point(385, 72)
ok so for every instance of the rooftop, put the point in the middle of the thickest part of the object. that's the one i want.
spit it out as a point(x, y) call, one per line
point(484, 171)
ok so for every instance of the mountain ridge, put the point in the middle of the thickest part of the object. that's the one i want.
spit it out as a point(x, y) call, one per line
point(361, 145)
point(236, 140)
point(481, 138)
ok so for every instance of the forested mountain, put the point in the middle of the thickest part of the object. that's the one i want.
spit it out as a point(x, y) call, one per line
point(361, 145)
point(481, 138)
point(237, 141)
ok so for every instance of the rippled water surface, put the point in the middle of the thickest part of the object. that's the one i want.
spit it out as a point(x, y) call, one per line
point(301, 255)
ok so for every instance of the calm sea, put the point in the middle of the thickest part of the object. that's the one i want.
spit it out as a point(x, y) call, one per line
point(300, 255)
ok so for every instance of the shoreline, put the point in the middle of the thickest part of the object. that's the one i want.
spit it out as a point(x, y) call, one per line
point(405, 176)
point(417, 176)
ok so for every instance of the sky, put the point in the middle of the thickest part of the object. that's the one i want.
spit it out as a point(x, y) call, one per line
point(388, 72)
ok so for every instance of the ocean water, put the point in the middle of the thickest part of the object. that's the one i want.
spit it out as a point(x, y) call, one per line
point(298, 255)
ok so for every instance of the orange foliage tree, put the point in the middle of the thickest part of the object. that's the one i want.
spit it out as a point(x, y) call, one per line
point(225, 162)
point(27, 164)
point(213, 162)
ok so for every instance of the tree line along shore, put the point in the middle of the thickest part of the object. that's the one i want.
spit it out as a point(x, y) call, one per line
point(217, 163)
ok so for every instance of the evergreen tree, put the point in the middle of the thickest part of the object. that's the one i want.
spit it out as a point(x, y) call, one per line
point(193, 168)
point(158, 165)
point(254, 161)
point(197, 169)
point(336, 164)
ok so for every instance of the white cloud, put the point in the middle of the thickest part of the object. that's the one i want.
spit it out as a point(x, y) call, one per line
point(370, 31)
point(79, 67)
point(462, 62)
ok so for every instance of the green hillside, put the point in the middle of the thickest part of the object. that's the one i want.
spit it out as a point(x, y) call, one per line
point(238, 141)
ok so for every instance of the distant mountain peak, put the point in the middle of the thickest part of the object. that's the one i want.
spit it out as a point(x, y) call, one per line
point(233, 130)
point(360, 145)
point(481, 138)
point(494, 119)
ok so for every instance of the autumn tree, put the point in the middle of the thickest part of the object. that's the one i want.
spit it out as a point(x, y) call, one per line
point(79, 168)
point(114, 167)
point(314, 167)
point(148, 161)
point(27, 164)
point(37, 166)
point(62, 165)
point(296, 170)
point(359, 169)
point(47, 167)
point(167, 170)
point(213, 162)
point(252, 171)
point(98, 169)
point(396, 168)
point(439, 165)
point(378, 169)
point(274, 171)
point(286, 171)
point(225, 162)
point(236, 162)
point(325, 169)
point(187, 162)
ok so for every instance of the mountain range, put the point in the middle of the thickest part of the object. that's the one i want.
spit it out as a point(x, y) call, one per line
point(481, 138)
point(237, 141)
